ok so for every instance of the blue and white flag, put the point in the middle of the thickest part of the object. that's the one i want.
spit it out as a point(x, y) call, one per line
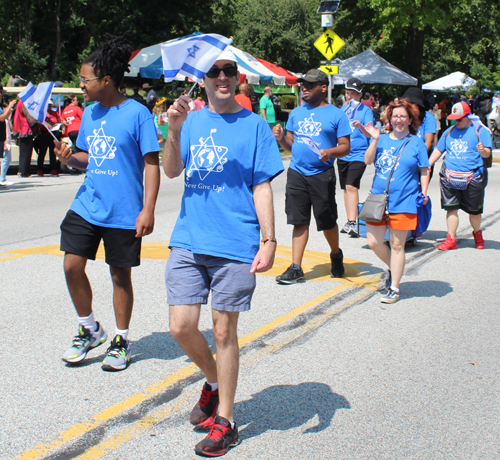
point(192, 56)
point(478, 124)
point(36, 99)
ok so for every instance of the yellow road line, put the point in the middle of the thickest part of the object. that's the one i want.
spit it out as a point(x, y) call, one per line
point(316, 262)
point(81, 428)
point(158, 416)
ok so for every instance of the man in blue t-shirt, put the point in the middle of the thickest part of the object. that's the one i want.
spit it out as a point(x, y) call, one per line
point(463, 177)
point(229, 156)
point(352, 167)
point(318, 133)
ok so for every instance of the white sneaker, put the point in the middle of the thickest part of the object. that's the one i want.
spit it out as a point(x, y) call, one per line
point(7, 182)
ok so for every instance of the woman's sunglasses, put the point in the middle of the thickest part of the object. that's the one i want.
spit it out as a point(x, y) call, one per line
point(214, 72)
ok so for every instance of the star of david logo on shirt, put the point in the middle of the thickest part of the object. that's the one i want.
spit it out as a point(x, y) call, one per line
point(101, 146)
point(309, 126)
point(207, 157)
point(192, 51)
point(385, 161)
point(458, 147)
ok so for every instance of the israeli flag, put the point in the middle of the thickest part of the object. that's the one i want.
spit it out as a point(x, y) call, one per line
point(192, 56)
point(478, 124)
point(36, 99)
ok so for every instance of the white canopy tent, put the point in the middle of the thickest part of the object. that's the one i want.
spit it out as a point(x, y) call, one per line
point(455, 80)
point(370, 68)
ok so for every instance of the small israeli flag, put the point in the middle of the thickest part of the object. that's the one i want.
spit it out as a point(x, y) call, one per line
point(478, 124)
point(192, 56)
point(36, 99)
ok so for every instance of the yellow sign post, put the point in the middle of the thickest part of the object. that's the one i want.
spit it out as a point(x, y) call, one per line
point(329, 44)
point(330, 69)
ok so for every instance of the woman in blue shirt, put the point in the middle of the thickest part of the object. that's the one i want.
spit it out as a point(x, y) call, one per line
point(403, 188)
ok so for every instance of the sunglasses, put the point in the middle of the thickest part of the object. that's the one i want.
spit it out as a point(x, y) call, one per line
point(309, 85)
point(214, 72)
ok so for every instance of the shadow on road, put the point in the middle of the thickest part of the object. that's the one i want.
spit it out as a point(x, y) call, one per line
point(283, 407)
point(427, 288)
point(161, 345)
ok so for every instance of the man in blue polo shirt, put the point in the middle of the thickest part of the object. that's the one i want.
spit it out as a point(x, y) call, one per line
point(318, 133)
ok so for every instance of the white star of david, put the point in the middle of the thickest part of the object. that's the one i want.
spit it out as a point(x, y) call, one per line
point(309, 126)
point(385, 161)
point(101, 146)
point(458, 146)
point(207, 157)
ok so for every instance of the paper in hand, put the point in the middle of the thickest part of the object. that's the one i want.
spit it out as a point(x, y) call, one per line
point(308, 140)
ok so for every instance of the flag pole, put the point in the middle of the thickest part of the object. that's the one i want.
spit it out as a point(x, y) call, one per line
point(50, 132)
point(191, 90)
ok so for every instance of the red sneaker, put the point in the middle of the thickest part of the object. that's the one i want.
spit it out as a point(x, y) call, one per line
point(205, 410)
point(220, 439)
point(40, 173)
point(448, 243)
point(478, 239)
point(54, 173)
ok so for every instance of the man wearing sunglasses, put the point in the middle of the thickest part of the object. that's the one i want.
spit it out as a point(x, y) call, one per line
point(318, 133)
point(229, 155)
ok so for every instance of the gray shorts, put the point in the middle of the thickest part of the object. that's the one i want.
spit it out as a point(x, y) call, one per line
point(190, 277)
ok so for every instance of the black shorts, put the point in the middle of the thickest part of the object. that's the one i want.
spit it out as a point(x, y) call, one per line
point(350, 173)
point(317, 191)
point(79, 237)
point(470, 200)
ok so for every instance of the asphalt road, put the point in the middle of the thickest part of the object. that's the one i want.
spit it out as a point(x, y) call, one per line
point(327, 371)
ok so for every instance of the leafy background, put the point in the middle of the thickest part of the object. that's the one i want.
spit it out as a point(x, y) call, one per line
point(48, 39)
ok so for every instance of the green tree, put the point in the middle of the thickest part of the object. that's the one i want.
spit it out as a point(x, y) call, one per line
point(280, 31)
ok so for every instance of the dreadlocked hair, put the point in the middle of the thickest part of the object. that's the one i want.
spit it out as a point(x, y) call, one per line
point(111, 58)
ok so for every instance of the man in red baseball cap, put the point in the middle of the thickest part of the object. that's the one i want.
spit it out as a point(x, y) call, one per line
point(463, 176)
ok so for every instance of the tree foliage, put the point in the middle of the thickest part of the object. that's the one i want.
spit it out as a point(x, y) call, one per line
point(280, 31)
point(47, 39)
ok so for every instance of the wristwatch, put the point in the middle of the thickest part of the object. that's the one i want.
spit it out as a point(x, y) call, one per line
point(268, 238)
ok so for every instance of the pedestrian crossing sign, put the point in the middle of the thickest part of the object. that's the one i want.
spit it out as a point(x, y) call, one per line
point(329, 44)
point(330, 69)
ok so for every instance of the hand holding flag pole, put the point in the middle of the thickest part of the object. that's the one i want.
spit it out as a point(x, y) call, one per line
point(36, 100)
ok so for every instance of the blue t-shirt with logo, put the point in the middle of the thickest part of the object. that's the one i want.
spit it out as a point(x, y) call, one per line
point(429, 125)
point(324, 125)
point(359, 142)
point(224, 155)
point(116, 139)
point(460, 146)
point(403, 188)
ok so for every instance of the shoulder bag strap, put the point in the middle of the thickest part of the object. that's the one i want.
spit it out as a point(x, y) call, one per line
point(395, 163)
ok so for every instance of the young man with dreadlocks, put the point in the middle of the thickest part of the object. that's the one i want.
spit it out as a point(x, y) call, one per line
point(118, 146)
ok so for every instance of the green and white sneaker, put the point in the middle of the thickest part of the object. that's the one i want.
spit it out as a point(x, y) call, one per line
point(83, 342)
point(118, 355)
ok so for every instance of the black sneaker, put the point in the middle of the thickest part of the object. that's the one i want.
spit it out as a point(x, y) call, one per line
point(205, 410)
point(337, 260)
point(293, 274)
point(353, 230)
point(220, 439)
